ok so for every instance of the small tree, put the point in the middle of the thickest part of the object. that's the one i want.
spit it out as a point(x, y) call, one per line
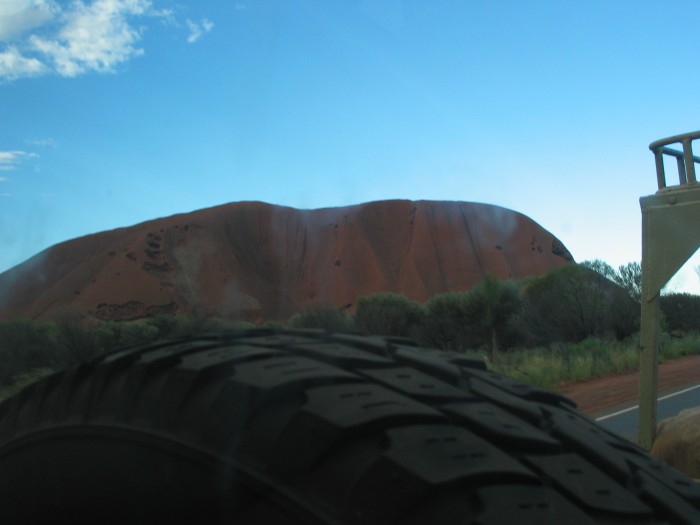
point(497, 302)
point(628, 276)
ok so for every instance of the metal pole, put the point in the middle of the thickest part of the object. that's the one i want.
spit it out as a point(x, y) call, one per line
point(648, 371)
point(660, 172)
point(689, 160)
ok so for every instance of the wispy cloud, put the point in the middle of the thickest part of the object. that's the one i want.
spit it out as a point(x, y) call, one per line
point(10, 160)
point(42, 37)
point(14, 65)
point(44, 143)
point(197, 29)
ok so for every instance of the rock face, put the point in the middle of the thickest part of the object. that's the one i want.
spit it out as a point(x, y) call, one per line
point(678, 442)
point(255, 261)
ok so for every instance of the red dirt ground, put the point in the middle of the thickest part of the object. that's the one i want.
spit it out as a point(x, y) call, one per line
point(601, 395)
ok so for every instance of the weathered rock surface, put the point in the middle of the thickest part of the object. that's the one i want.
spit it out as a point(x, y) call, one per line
point(256, 261)
point(678, 442)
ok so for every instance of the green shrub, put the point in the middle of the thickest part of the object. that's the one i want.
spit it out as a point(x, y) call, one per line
point(323, 317)
point(450, 323)
point(24, 345)
point(388, 314)
point(551, 366)
point(674, 347)
point(681, 312)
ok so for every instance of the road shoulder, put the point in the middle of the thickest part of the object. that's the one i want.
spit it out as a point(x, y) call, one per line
point(604, 395)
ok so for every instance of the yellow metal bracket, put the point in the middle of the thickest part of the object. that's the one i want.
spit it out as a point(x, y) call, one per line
point(670, 236)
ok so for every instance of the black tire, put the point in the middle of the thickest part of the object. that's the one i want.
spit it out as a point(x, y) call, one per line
point(297, 427)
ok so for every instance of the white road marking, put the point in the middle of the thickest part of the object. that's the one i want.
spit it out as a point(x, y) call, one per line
point(635, 407)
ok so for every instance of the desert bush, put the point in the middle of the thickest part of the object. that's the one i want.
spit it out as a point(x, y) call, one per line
point(551, 366)
point(166, 325)
point(388, 314)
point(681, 312)
point(568, 304)
point(451, 323)
point(323, 317)
point(673, 347)
point(169, 326)
point(76, 342)
point(24, 345)
point(121, 334)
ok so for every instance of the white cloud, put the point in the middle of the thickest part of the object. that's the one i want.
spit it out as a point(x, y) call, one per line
point(72, 38)
point(38, 37)
point(13, 65)
point(198, 29)
point(3, 179)
point(4, 194)
point(9, 160)
point(94, 37)
point(19, 16)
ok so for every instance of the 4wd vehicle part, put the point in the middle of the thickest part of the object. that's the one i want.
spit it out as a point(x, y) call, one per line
point(271, 427)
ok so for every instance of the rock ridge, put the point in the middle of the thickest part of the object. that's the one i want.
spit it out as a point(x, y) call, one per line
point(255, 261)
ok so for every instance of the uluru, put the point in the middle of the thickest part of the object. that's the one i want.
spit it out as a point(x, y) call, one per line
point(257, 261)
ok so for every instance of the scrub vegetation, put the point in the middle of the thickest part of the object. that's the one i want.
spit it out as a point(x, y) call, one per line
point(577, 322)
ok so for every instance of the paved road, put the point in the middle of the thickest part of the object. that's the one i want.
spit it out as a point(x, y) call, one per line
point(624, 422)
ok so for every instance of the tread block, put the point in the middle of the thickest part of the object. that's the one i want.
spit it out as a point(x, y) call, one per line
point(345, 407)
point(375, 344)
point(278, 371)
point(502, 427)
point(521, 389)
point(340, 355)
point(441, 454)
point(415, 383)
point(661, 471)
point(579, 433)
point(455, 358)
point(673, 505)
point(271, 339)
point(133, 354)
point(590, 486)
point(530, 411)
point(223, 356)
point(332, 413)
point(423, 461)
point(429, 364)
point(528, 505)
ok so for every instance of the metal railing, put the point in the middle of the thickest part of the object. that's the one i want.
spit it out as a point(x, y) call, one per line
point(686, 160)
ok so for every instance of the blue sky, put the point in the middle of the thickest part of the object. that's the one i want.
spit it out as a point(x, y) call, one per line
point(114, 112)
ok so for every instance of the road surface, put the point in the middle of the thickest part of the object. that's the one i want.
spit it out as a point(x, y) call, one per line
point(625, 421)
